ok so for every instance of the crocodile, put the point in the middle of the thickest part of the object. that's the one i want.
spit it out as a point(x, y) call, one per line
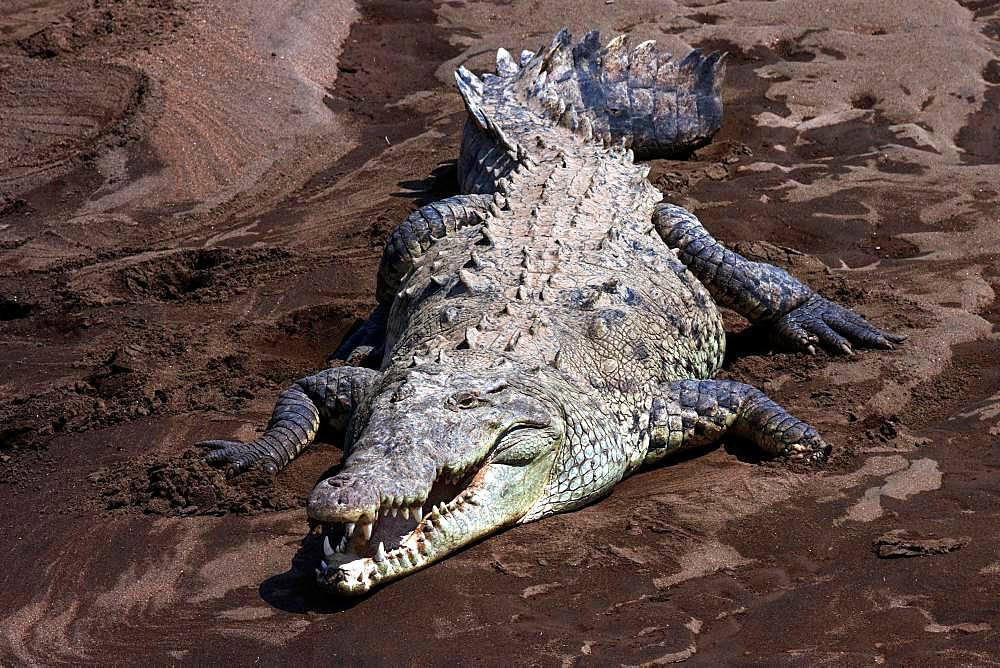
point(547, 332)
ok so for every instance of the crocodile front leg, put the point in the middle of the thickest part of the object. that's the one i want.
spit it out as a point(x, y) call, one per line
point(328, 397)
point(692, 413)
point(763, 293)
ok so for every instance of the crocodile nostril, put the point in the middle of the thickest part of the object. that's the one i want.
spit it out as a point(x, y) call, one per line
point(331, 501)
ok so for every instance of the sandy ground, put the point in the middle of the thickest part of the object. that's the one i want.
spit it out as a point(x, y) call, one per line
point(193, 198)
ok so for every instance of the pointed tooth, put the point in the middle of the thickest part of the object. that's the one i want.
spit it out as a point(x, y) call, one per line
point(405, 512)
point(366, 530)
point(424, 548)
point(380, 552)
point(349, 529)
point(342, 545)
point(418, 513)
point(327, 549)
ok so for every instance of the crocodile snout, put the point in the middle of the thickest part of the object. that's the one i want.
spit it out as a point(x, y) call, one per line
point(342, 499)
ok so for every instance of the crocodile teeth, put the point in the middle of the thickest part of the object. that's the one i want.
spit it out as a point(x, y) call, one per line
point(366, 531)
point(406, 513)
point(380, 553)
point(417, 512)
point(393, 511)
point(349, 529)
point(327, 548)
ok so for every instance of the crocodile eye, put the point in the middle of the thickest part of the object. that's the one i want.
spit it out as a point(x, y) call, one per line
point(465, 399)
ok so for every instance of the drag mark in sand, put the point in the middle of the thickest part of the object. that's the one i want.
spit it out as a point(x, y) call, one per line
point(922, 475)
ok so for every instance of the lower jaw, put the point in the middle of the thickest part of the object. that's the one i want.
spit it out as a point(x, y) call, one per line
point(439, 534)
point(443, 529)
point(364, 574)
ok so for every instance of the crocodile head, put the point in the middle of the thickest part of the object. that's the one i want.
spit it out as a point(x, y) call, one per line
point(440, 459)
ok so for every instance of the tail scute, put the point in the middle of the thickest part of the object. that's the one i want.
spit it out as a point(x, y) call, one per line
point(641, 96)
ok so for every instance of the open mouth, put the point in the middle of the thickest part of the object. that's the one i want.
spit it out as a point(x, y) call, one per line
point(398, 538)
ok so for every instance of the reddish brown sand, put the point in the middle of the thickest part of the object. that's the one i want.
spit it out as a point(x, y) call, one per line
point(193, 197)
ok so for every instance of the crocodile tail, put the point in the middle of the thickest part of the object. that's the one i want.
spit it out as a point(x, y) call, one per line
point(471, 88)
point(641, 97)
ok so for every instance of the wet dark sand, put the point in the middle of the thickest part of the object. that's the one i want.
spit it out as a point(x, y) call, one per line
point(192, 206)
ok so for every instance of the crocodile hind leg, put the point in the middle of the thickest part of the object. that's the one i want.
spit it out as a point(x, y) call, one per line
point(692, 413)
point(409, 241)
point(418, 232)
point(329, 398)
point(763, 293)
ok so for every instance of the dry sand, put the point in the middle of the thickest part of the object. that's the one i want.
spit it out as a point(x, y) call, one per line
point(193, 198)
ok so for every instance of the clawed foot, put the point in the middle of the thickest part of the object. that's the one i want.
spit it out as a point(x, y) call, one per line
point(809, 448)
point(820, 321)
point(238, 457)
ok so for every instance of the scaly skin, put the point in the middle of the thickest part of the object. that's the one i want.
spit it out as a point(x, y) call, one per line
point(549, 332)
